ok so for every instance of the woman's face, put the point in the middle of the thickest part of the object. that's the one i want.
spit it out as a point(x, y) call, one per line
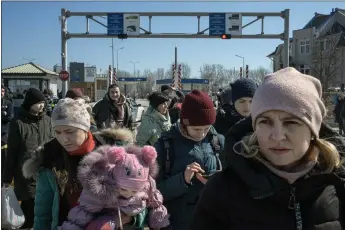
point(198, 132)
point(283, 138)
point(70, 137)
point(243, 106)
point(163, 108)
point(38, 107)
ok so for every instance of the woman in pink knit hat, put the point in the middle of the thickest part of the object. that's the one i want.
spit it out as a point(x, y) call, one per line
point(283, 175)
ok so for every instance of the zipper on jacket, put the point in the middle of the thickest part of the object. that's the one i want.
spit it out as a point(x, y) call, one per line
point(292, 199)
point(293, 205)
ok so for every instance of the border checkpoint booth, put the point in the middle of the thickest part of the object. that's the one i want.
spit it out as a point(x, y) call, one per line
point(21, 77)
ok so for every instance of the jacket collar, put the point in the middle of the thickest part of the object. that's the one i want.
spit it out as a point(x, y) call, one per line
point(52, 149)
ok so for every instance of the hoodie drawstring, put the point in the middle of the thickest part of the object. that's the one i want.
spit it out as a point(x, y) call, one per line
point(119, 215)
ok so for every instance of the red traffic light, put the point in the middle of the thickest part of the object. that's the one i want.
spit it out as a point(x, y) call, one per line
point(226, 36)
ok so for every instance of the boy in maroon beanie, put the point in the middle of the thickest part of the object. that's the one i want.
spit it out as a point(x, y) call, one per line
point(74, 93)
point(187, 156)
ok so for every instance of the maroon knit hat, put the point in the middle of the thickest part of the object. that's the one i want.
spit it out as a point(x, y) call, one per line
point(197, 109)
point(74, 93)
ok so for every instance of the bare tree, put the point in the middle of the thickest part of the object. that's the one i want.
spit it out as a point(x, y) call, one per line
point(159, 74)
point(258, 74)
point(186, 70)
point(218, 76)
point(328, 56)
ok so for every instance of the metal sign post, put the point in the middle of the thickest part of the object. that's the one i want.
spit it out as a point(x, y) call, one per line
point(127, 25)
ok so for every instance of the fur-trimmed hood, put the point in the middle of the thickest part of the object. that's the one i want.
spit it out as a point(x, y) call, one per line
point(50, 150)
point(96, 170)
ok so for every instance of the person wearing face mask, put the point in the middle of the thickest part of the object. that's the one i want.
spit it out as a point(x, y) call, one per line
point(114, 110)
point(54, 165)
point(155, 120)
point(283, 173)
point(187, 154)
point(27, 131)
point(242, 92)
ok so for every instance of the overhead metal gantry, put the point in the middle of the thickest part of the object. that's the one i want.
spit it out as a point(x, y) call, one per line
point(148, 33)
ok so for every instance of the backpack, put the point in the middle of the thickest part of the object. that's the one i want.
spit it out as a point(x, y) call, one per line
point(170, 153)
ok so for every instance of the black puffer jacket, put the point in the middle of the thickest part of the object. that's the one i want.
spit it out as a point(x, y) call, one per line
point(227, 116)
point(6, 117)
point(26, 133)
point(104, 110)
point(247, 195)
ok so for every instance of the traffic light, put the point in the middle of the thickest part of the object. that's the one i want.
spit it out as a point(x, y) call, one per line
point(122, 36)
point(226, 36)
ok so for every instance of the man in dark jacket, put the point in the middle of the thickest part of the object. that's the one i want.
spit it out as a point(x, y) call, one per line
point(339, 112)
point(177, 98)
point(49, 102)
point(29, 130)
point(6, 116)
point(114, 110)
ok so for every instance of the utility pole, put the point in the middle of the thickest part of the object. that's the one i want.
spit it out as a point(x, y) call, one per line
point(63, 20)
point(175, 57)
point(117, 58)
point(286, 38)
point(134, 62)
point(112, 53)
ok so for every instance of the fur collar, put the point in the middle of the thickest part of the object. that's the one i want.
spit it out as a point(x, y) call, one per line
point(93, 172)
point(107, 136)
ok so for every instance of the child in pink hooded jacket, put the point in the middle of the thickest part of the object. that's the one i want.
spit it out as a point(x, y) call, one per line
point(118, 179)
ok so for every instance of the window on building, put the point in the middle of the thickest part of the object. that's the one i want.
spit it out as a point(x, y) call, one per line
point(305, 47)
point(327, 44)
point(18, 86)
point(304, 69)
point(322, 45)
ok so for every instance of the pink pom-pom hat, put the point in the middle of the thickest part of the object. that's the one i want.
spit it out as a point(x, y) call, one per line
point(132, 165)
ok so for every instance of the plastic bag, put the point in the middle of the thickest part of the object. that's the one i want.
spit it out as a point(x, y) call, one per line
point(12, 216)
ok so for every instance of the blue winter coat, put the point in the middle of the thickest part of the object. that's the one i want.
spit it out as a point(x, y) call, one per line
point(179, 198)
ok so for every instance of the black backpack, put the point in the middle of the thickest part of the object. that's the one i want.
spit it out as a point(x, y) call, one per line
point(170, 153)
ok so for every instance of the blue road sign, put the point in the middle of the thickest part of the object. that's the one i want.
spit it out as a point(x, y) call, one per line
point(185, 81)
point(131, 79)
point(115, 23)
point(216, 24)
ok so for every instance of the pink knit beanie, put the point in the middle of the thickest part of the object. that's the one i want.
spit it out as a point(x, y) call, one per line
point(132, 165)
point(290, 91)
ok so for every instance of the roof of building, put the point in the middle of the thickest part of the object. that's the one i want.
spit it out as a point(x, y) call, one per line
point(277, 49)
point(323, 23)
point(317, 21)
point(28, 69)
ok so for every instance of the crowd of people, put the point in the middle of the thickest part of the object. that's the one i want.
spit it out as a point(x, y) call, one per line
point(263, 159)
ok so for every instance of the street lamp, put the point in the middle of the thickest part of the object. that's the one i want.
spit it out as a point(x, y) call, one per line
point(134, 62)
point(242, 63)
point(117, 57)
